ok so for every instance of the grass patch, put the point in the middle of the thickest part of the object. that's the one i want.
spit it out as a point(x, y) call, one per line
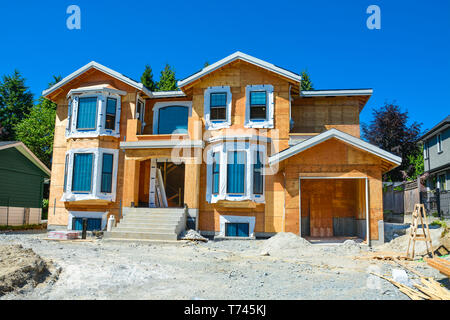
point(24, 227)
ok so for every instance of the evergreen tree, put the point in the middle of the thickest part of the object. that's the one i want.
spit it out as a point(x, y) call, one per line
point(16, 102)
point(36, 130)
point(147, 79)
point(306, 83)
point(167, 81)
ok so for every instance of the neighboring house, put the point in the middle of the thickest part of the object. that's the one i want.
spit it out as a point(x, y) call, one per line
point(436, 155)
point(22, 177)
point(240, 145)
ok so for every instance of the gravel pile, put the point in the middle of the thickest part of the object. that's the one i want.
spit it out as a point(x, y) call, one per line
point(21, 268)
point(400, 244)
point(284, 243)
point(193, 236)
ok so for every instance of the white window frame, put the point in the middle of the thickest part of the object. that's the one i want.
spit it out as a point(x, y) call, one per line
point(270, 107)
point(89, 215)
point(439, 143)
point(251, 150)
point(140, 117)
point(95, 193)
point(159, 105)
point(209, 124)
point(223, 220)
point(100, 130)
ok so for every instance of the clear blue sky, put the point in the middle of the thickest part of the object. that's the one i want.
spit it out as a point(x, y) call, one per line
point(408, 60)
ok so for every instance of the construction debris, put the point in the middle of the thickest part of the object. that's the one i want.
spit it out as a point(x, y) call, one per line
point(384, 255)
point(63, 235)
point(193, 235)
point(284, 242)
point(440, 264)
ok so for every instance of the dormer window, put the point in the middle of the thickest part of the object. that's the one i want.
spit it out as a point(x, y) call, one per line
point(93, 111)
point(259, 106)
point(217, 107)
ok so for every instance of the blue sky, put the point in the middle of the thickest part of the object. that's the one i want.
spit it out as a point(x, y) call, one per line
point(407, 61)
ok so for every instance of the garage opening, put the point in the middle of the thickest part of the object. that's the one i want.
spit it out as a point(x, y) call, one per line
point(333, 208)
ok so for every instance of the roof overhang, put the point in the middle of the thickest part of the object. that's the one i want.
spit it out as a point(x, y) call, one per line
point(97, 66)
point(22, 148)
point(337, 93)
point(168, 94)
point(162, 144)
point(333, 133)
point(244, 57)
point(97, 88)
point(443, 125)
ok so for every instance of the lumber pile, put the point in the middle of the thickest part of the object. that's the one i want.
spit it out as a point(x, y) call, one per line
point(428, 289)
point(440, 264)
point(384, 256)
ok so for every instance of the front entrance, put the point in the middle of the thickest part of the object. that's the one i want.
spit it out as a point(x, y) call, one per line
point(164, 187)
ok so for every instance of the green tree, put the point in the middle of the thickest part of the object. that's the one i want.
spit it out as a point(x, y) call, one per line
point(147, 79)
point(306, 83)
point(415, 165)
point(206, 64)
point(390, 131)
point(167, 81)
point(36, 130)
point(16, 102)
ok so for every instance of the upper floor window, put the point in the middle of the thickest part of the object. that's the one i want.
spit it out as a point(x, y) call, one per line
point(217, 107)
point(215, 172)
point(93, 113)
point(171, 117)
point(439, 143)
point(425, 150)
point(110, 119)
point(259, 106)
point(90, 174)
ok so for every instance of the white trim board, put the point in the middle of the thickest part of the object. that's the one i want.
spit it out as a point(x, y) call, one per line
point(103, 69)
point(244, 57)
point(334, 133)
point(87, 214)
point(337, 93)
point(237, 219)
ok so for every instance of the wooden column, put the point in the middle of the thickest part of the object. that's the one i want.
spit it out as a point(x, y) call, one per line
point(131, 183)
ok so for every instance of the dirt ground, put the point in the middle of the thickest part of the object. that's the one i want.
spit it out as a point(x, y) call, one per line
point(286, 267)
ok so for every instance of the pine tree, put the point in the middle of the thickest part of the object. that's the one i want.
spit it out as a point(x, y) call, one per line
point(167, 81)
point(306, 81)
point(147, 79)
point(16, 102)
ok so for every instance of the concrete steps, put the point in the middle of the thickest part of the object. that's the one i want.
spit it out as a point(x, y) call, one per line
point(149, 224)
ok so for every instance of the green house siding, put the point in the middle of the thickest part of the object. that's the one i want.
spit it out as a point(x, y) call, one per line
point(21, 182)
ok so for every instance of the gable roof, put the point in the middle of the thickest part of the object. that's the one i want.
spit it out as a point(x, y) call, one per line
point(103, 69)
point(22, 148)
point(333, 133)
point(244, 57)
point(437, 128)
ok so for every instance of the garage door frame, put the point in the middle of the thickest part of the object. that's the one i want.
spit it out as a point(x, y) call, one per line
point(336, 178)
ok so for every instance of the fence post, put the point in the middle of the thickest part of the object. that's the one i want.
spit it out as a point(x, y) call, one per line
point(438, 201)
point(7, 213)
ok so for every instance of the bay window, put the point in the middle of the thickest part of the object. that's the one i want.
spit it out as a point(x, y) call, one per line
point(93, 112)
point(91, 174)
point(235, 172)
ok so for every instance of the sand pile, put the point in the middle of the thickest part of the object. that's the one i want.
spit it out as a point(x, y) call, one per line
point(284, 243)
point(400, 244)
point(22, 268)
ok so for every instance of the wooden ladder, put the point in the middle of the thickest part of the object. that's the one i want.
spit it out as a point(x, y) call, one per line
point(419, 213)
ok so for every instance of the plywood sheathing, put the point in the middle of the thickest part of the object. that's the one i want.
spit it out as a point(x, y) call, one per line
point(319, 114)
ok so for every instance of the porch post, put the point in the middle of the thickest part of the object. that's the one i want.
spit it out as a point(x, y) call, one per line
point(131, 182)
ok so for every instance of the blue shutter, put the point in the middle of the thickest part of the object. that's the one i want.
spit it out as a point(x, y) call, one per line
point(87, 113)
point(236, 172)
point(107, 167)
point(82, 172)
point(173, 118)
